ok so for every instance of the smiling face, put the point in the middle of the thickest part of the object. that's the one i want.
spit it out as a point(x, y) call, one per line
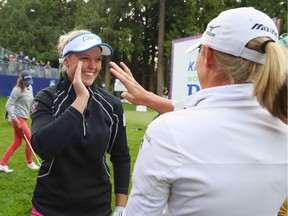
point(92, 61)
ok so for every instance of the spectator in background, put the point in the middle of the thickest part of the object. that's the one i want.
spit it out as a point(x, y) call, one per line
point(223, 151)
point(12, 64)
point(33, 65)
point(5, 58)
point(21, 57)
point(5, 63)
point(47, 69)
point(26, 63)
point(40, 68)
point(18, 107)
point(19, 62)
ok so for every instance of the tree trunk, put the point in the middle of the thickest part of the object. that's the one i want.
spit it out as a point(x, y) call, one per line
point(152, 72)
point(107, 75)
point(160, 74)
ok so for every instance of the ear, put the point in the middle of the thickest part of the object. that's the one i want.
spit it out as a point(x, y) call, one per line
point(209, 57)
point(65, 62)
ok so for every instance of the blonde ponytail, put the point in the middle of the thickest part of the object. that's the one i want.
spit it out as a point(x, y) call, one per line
point(270, 81)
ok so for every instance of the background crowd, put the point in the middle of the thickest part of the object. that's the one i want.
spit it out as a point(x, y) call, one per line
point(13, 64)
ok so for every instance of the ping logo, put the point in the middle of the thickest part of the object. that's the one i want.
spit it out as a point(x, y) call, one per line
point(91, 37)
point(264, 28)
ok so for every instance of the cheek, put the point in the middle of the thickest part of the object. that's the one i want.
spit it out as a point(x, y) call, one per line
point(98, 66)
point(71, 68)
point(198, 64)
point(89, 66)
point(200, 67)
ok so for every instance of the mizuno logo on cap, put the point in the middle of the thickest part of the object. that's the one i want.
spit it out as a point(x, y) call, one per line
point(264, 28)
point(211, 29)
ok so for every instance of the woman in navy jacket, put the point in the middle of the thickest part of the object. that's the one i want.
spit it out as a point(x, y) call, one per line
point(74, 125)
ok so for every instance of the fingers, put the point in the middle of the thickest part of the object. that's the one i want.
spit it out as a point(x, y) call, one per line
point(129, 97)
point(126, 69)
point(77, 75)
point(135, 92)
point(79, 86)
point(121, 73)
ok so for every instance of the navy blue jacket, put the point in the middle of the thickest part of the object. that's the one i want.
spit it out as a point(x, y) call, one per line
point(74, 178)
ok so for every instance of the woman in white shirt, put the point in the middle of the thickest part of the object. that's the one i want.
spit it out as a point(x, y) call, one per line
point(223, 151)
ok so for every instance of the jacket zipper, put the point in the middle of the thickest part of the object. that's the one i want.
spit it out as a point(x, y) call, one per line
point(84, 124)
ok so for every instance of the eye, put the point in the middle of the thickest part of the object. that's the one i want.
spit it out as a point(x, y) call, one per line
point(85, 59)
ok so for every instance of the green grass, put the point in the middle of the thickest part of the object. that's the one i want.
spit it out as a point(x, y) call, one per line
point(16, 188)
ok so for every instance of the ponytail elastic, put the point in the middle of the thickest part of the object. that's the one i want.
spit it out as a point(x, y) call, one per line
point(263, 46)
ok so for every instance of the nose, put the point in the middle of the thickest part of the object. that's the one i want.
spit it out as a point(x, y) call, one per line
point(92, 64)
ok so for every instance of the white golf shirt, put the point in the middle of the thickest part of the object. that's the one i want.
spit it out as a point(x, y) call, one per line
point(218, 154)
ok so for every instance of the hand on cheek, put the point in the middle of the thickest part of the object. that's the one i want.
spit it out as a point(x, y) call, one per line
point(79, 87)
point(77, 74)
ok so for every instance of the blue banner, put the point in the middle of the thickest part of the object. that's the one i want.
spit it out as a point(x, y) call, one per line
point(7, 82)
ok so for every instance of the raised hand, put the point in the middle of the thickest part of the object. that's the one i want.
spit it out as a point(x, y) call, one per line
point(80, 89)
point(136, 94)
point(82, 93)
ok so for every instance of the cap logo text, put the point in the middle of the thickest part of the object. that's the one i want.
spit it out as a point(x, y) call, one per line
point(27, 77)
point(264, 28)
point(91, 37)
point(211, 29)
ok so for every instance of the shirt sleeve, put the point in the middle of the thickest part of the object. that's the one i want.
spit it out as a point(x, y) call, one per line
point(153, 172)
point(11, 102)
point(119, 151)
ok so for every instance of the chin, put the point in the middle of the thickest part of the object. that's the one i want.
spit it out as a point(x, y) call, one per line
point(87, 84)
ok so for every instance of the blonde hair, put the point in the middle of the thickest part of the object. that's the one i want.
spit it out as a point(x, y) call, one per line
point(64, 39)
point(270, 79)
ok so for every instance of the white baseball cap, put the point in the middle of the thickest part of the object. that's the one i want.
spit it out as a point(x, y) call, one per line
point(84, 42)
point(232, 29)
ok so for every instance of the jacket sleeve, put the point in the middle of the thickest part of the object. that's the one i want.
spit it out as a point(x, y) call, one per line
point(50, 135)
point(11, 102)
point(120, 155)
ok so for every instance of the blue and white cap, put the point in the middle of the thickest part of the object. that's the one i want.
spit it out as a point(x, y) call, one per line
point(84, 42)
point(232, 29)
point(26, 78)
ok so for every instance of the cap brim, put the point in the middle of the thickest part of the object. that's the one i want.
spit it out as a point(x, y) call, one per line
point(84, 42)
point(193, 47)
point(28, 82)
point(106, 49)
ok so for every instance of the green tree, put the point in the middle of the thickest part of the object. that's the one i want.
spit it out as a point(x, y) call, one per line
point(130, 27)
